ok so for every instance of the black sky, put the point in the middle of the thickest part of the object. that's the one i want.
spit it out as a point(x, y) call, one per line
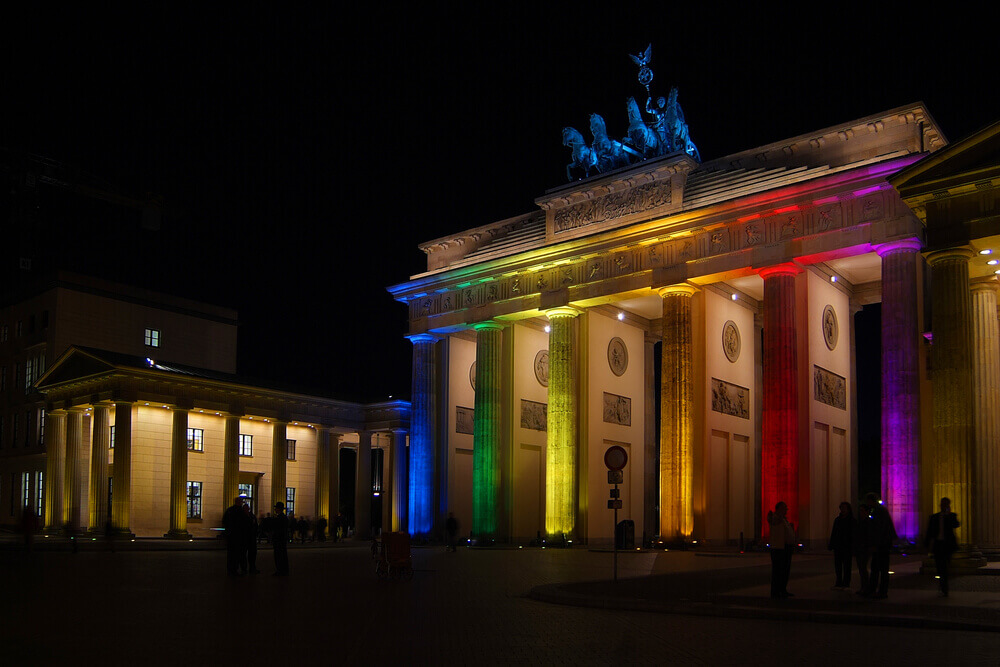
point(302, 154)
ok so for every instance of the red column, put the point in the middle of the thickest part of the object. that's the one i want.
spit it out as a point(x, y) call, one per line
point(780, 446)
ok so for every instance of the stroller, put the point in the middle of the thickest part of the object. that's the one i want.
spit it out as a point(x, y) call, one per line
point(394, 557)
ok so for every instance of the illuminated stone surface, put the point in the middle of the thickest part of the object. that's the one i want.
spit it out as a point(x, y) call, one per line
point(900, 386)
point(986, 383)
point(487, 432)
point(178, 475)
point(561, 445)
point(423, 439)
point(676, 415)
point(121, 503)
point(231, 461)
point(99, 444)
point(72, 482)
point(55, 468)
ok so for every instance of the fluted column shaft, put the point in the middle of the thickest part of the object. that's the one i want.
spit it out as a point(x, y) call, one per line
point(363, 488)
point(400, 477)
point(780, 446)
point(334, 477)
point(323, 472)
point(561, 444)
point(677, 415)
point(99, 444)
point(423, 445)
point(279, 444)
point(231, 463)
point(178, 475)
point(55, 468)
point(121, 476)
point(951, 363)
point(73, 479)
point(487, 431)
point(986, 383)
point(900, 386)
point(388, 483)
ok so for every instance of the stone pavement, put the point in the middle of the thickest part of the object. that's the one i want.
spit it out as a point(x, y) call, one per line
point(738, 585)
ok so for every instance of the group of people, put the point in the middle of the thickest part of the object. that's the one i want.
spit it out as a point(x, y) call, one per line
point(867, 540)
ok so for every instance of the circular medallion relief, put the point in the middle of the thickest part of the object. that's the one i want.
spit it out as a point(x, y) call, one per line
point(731, 343)
point(831, 329)
point(617, 356)
point(542, 367)
point(472, 375)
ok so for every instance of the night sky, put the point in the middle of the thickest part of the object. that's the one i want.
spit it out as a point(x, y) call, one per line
point(303, 154)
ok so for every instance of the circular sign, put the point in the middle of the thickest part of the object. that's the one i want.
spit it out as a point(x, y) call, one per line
point(616, 457)
point(731, 341)
point(542, 367)
point(831, 329)
point(472, 375)
point(617, 356)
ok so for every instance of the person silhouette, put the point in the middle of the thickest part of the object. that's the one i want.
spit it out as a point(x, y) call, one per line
point(940, 540)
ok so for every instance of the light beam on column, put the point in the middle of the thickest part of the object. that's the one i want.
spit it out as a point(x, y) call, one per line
point(487, 431)
point(422, 434)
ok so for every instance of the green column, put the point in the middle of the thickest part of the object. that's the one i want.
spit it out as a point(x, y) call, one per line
point(487, 432)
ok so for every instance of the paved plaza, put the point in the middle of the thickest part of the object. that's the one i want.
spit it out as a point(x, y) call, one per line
point(147, 605)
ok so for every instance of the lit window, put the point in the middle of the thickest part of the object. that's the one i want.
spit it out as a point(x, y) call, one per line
point(39, 492)
point(152, 337)
point(25, 490)
point(112, 437)
point(247, 490)
point(194, 500)
point(29, 374)
point(290, 450)
point(246, 445)
point(290, 500)
point(196, 439)
point(41, 426)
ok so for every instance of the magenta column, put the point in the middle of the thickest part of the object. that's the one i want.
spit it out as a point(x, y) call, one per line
point(900, 385)
point(780, 430)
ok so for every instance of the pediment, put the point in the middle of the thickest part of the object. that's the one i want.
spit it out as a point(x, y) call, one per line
point(975, 158)
point(74, 364)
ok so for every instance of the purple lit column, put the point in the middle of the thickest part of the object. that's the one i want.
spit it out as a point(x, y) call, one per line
point(422, 440)
point(900, 385)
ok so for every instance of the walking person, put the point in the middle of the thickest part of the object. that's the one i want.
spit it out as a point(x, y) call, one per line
point(940, 540)
point(235, 523)
point(841, 544)
point(279, 539)
point(451, 528)
point(782, 544)
point(882, 536)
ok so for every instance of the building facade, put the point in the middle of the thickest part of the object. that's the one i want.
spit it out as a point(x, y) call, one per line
point(701, 316)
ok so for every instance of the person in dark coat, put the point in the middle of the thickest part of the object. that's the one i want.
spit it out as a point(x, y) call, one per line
point(279, 539)
point(303, 527)
point(940, 540)
point(841, 543)
point(320, 533)
point(251, 541)
point(882, 535)
point(235, 522)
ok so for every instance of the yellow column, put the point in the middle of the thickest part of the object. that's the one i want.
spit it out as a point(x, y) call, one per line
point(55, 468)
point(561, 443)
point(178, 475)
point(334, 478)
point(677, 415)
point(121, 476)
point(951, 363)
point(323, 473)
point(99, 445)
point(986, 369)
point(73, 479)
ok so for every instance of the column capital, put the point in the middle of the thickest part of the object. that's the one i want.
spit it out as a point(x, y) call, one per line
point(786, 269)
point(984, 283)
point(423, 338)
point(904, 245)
point(680, 289)
point(489, 325)
point(563, 311)
point(960, 252)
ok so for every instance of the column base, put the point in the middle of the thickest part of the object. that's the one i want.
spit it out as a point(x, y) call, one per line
point(178, 535)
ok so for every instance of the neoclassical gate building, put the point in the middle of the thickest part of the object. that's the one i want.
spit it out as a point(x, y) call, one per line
point(535, 344)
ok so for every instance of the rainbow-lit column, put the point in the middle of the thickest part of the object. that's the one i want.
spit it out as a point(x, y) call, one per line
point(780, 446)
point(900, 386)
point(677, 415)
point(423, 461)
point(99, 445)
point(986, 383)
point(121, 475)
point(178, 475)
point(951, 361)
point(55, 468)
point(561, 445)
point(487, 432)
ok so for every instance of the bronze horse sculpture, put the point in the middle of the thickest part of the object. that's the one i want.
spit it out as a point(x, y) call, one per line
point(583, 156)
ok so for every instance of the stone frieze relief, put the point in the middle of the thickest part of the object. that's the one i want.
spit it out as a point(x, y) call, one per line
point(613, 205)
